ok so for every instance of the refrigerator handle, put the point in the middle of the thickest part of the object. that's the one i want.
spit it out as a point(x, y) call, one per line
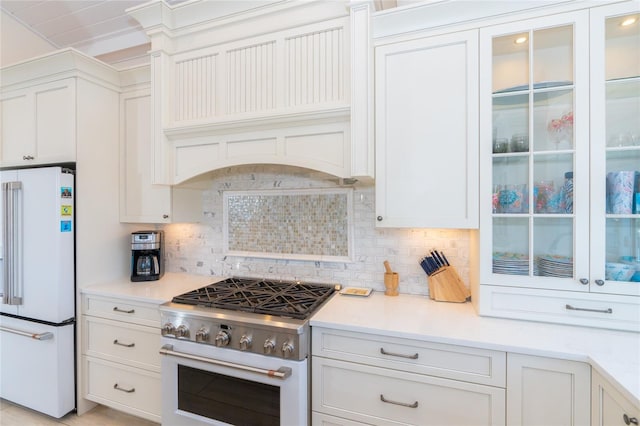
point(11, 242)
point(47, 335)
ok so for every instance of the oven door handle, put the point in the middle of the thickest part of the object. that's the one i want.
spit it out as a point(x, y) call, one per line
point(280, 373)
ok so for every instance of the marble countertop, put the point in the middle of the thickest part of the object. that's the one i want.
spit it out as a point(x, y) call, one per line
point(615, 354)
point(160, 291)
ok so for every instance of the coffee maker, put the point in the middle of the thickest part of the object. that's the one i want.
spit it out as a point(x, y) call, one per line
point(147, 256)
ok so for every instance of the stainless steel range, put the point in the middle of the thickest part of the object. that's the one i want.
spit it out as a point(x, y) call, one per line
point(237, 352)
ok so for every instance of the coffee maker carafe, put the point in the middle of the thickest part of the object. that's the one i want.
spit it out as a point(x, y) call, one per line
point(147, 256)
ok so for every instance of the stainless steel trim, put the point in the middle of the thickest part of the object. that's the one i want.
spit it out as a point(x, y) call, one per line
point(36, 336)
point(602, 311)
point(403, 404)
point(280, 373)
point(11, 240)
point(383, 352)
point(126, 345)
point(130, 311)
point(117, 387)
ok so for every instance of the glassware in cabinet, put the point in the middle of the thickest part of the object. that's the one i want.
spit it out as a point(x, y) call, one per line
point(622, 146)
point(532, 179)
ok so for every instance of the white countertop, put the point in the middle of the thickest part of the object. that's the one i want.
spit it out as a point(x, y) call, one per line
point(615, 354)
point(160, 291)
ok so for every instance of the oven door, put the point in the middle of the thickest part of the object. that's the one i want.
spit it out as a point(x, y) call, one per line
point(207, 385)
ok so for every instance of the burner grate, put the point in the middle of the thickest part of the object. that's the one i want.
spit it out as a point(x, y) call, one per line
point(279, 298)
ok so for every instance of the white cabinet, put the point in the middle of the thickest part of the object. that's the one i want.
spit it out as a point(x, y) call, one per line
point(39, 124)
point(120, 358)
point(426, 112)
point(140, 200)
point(547, 391)
point(370, 379)
point(608, 406)
point(236, 86)
point(556, 126)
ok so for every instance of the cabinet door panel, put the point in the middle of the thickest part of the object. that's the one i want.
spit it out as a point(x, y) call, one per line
point(140, 201)
point(546, 391)
point(608, 406)
point(427, 132)
point(17, 131)
point(55, 124)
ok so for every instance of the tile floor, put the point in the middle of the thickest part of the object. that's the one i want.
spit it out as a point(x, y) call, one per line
point(15, 415)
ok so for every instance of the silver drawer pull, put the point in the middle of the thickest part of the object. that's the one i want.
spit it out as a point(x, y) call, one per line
point(116, 387)
point(601, 311)
point(383, 352)
point(629, 420)
point(403, 404)
point(126, 345)
point(130, 311)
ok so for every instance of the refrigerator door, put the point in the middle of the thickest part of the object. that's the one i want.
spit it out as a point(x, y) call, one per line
point(37, 365)
point(39, 252)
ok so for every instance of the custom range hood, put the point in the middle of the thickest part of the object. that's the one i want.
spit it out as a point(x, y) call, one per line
point(251, 82)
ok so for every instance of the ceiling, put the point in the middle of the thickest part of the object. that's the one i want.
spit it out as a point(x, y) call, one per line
point(99, 28)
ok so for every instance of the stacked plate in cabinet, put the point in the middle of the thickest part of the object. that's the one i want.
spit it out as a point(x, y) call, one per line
point(510, 263)
point(554, 266)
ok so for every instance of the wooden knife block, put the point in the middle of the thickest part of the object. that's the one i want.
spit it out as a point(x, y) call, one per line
point(445, 285)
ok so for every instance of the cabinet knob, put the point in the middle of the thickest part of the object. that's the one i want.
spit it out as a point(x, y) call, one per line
point(379, 218)
point(600, 282)
point(629, 420)
point(584, 281)
point(165, 216)
point(28, 157)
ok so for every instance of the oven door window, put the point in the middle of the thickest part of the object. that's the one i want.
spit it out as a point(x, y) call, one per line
point(227, 399)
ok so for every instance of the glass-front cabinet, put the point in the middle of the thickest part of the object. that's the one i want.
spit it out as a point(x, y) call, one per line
point(615, 159)
point(560, 159)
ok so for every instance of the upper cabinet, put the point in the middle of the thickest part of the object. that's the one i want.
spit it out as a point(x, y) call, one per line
point(560, 160)
point(270, 84)
point(38, 124)
point(426, 129)
point(43, 107)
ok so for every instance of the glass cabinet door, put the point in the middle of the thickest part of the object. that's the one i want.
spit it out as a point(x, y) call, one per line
point(537, 106)
point(616, 134)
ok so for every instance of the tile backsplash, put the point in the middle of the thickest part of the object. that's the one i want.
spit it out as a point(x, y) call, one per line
point(199, 248)
point(303, 224)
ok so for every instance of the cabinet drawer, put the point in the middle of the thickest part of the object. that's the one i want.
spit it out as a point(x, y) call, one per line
point(449, 361)
point(381, 396)
point(319, 419)
point(594, 310)
point(124, 388)
point(122, 310)
point(126, 343)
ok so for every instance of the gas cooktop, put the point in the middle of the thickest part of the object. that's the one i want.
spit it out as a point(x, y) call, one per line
point(291, 299)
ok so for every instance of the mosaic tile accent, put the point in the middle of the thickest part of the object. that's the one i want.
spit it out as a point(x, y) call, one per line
point(312, 224)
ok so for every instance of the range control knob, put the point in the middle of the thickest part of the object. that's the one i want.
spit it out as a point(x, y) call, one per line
point(168, 329)
point(287, 348)
point(202, 335)
point(182, 332)
point(245, 342)
point(270, 345)
point(222, 338)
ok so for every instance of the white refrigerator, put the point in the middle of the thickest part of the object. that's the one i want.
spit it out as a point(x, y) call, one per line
point(37, 313)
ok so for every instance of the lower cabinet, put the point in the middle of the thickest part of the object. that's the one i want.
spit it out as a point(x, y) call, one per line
point(609, 407)
point(120, 357)
point(360, 378)
point(547, 391)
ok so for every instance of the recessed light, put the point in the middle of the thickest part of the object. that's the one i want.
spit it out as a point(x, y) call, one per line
point(628, 21)
point(520, 40)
